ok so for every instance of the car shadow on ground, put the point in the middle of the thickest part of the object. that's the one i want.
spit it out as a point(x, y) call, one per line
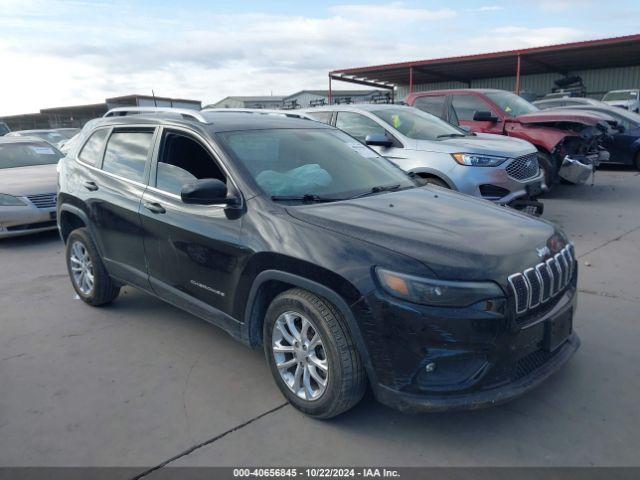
point(31, 240)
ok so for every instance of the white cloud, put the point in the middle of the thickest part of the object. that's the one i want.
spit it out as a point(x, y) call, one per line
point(489, 8)
point(393, 12)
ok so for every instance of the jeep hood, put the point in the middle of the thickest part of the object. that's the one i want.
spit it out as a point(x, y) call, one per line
point(456, 236)
point(555, 116)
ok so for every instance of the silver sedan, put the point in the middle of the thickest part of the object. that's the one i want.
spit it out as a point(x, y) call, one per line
point(28, 184)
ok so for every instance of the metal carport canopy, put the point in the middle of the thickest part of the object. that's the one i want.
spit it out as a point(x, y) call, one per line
point(563, 58)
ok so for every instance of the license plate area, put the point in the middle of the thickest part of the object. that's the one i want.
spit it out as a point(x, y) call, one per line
point(534, 189)
point(557, 330)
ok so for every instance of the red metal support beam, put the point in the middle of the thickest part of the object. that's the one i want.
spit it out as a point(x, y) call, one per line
point(518, 77)
point(411, 79)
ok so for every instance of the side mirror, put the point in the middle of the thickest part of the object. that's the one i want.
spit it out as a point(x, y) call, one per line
point(208, 191)
point(378, 140)
point(484, 116)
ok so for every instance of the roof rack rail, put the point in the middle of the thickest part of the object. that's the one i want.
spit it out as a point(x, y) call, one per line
point(260, 111)
point(159, 111)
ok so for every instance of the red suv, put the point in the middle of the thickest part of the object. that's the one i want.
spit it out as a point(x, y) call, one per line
point(557, 135)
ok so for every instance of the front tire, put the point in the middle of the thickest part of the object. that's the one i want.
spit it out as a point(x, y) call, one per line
point(311, 354)
point(548, 168)
point(88, 276)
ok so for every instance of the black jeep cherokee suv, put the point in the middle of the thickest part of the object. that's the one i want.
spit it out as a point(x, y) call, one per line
point(290, 234)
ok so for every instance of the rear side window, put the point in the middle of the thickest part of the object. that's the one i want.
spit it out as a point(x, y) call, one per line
point(324, 117)
point(92, 151)
point(433, 105)
point(467, 105)
point(126, 154)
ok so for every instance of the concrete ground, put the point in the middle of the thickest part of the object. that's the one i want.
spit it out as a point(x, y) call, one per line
point(139, 382)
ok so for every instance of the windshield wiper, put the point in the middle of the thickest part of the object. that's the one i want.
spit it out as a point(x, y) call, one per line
point(306, 198)
point(451, 135)
point(378, 189)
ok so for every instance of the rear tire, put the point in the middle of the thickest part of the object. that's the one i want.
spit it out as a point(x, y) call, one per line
point(293, 354)
point(88, 276)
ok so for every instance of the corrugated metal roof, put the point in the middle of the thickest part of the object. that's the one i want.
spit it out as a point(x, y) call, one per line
point(563, 58)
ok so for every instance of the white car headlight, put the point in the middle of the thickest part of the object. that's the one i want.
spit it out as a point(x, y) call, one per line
point(10, 201)
point(477, 160)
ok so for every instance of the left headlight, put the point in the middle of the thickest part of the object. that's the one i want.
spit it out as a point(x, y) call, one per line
point(10, 201)
point(439, 293)
point(476, 160)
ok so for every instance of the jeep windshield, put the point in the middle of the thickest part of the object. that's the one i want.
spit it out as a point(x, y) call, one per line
point(511, 104)
point(418, 125)
point(27, 154)
point(309, 165)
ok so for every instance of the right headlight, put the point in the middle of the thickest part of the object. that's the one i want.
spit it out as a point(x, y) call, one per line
point(478, 160)
point(439, 293)
point(10, 201)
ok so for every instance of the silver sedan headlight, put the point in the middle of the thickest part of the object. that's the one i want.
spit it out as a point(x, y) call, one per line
point(10, 201)
point(477, 160)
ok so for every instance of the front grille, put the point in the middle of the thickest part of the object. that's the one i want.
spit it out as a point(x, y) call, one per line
point(493, 191)
point(532, 362)
point(43, 200)
point(32, 226)
point(523, 168)
point(539, 284)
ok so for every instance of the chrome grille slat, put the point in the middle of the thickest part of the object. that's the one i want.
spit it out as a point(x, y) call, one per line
point(523, 168)
point(43, 200)
point(538, 284)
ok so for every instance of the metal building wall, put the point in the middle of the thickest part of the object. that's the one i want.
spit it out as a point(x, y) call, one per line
point(598, 82)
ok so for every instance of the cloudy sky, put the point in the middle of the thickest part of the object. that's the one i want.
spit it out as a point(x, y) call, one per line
point(68, 52)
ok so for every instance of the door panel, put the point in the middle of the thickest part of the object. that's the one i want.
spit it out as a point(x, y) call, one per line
point(193, 251)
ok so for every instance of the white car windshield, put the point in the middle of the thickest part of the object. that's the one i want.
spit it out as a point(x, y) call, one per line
point(27, 154)
point(623, 95)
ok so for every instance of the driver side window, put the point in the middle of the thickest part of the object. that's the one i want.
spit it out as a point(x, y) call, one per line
point(465, 106)
point(358, 126)
point(182, 160)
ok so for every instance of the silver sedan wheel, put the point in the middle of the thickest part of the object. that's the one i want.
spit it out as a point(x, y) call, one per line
point(300, 355)
point(81, 268)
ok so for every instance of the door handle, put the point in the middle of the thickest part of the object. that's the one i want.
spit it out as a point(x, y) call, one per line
point(91, 186)
point(154, 207)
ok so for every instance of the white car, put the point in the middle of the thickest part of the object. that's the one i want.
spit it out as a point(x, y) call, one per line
point(628, 99)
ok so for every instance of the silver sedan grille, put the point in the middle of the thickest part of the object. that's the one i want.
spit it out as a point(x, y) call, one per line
point(537, 285)
point(523, 168)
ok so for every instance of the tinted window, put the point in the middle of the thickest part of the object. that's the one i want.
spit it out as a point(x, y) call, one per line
point(433, 105)
point(126, 154)
point(511, 104)
point(324, 117)
point(467, 105)
point(183, 160)
point(27, 154)
point(418, 125)
point(320, 161)
point(92, 151)
point(357, 125)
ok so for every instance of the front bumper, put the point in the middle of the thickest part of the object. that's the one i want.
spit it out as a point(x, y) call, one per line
point(493, 183)
point(483, 356)
point(23, 220)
